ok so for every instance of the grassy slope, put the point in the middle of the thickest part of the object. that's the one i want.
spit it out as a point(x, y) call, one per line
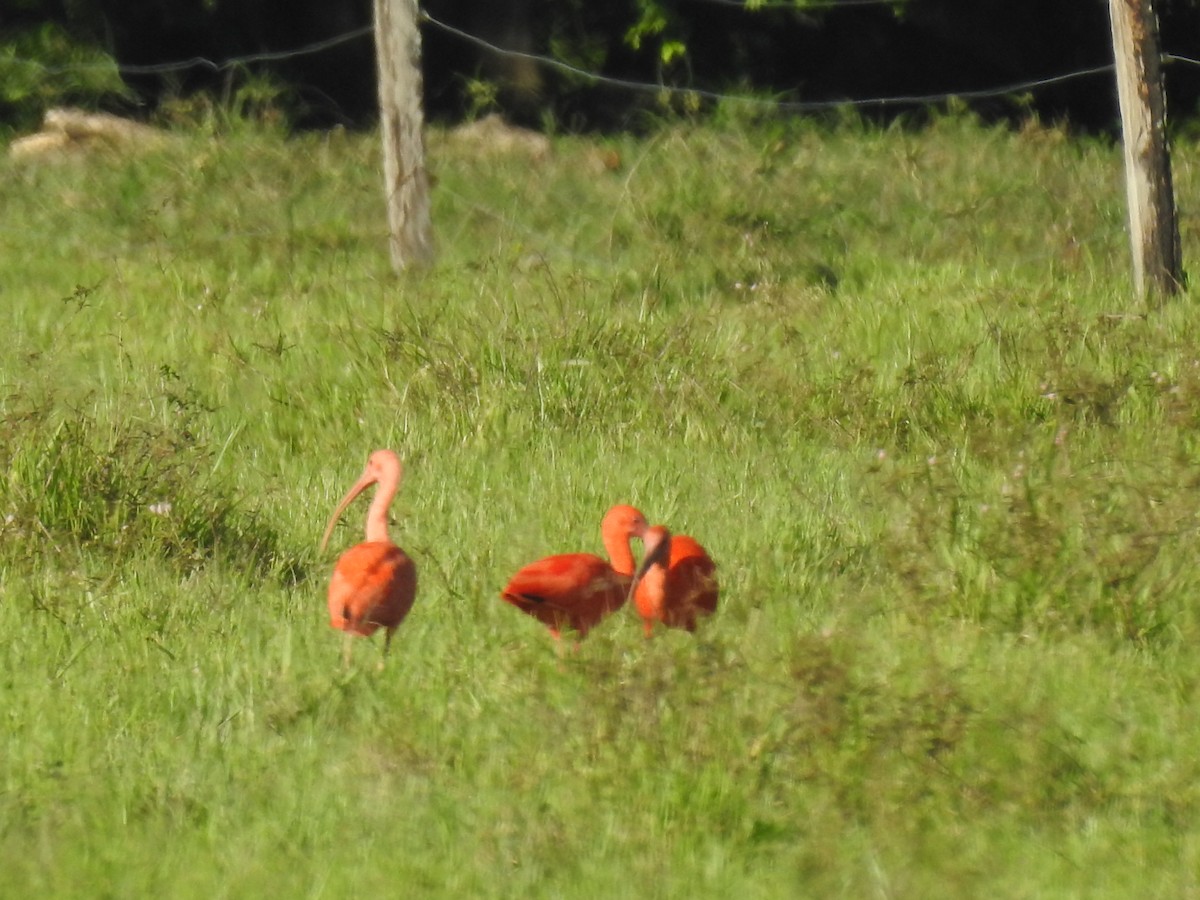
point(891, 380)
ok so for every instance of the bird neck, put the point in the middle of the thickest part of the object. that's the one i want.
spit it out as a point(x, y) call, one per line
point(377, 514)
point(619, 554)
point(653, 583)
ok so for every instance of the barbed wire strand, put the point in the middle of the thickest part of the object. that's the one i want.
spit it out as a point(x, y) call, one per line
point(600, 79)
point(783, 105)
point(823, 5)
point(203, 62)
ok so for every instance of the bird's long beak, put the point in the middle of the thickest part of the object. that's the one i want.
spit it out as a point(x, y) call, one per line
point(650, 559)
point(361, 485)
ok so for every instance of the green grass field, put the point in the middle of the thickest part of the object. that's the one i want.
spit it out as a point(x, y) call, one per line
point(893, 380)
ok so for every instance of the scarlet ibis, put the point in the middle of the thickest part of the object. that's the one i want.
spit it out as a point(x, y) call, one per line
point(577, 590)
point(676, 582)
point(373, 583)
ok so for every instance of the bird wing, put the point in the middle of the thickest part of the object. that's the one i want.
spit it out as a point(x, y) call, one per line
point(560, 582)
point(692, 575)
point(684, 547)
point(374, 583)
point(575, 590)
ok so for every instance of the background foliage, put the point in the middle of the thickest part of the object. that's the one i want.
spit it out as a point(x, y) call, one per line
point(808, 51)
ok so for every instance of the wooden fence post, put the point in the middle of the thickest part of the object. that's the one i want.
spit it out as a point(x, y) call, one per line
point(1153, 226)
point(401, 121)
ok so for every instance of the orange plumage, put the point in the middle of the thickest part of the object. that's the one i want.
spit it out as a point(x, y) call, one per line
point(374, 583)
point(578, 590)
point(373, 586)
point(677, 581)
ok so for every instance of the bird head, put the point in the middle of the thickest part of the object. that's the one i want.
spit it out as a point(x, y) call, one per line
point(625, 521)
point(383, 468)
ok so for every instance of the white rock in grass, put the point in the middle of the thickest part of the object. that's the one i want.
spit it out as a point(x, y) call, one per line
point(65, 131)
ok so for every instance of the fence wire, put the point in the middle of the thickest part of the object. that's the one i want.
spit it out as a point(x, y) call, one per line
point(597, 78)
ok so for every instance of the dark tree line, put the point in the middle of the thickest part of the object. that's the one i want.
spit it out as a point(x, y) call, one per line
point(823, 52)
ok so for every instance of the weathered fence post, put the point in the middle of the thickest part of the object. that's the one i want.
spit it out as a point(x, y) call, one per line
point(1153, 226)
point(401, 120)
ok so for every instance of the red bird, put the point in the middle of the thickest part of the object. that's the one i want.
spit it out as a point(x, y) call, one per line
point(374, 582)
point(577, 590)
point(676, 583)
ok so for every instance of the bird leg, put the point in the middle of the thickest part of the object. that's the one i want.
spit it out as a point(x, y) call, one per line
point(387, 645)
point(355, 627)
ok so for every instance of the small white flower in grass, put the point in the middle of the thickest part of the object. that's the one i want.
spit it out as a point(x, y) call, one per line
point(162, 508)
